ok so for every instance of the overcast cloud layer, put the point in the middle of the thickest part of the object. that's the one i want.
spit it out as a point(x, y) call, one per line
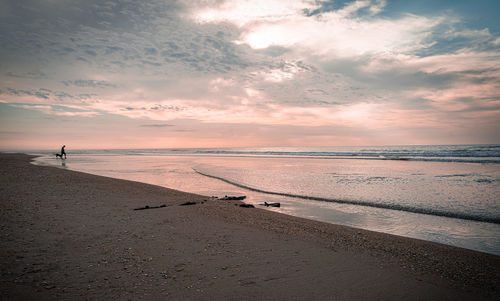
point(247, 73)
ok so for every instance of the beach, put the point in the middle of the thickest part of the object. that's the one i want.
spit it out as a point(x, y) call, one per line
point(71, 235)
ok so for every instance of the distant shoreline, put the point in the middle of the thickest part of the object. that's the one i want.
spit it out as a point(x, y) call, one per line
point(68, 233)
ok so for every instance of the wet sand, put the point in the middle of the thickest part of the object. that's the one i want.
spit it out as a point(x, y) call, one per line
point(71, 235)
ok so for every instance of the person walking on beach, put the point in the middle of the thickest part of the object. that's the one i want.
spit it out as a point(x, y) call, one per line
point(63, 152)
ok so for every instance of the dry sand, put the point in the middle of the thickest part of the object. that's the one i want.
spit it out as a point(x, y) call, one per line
point(67, 235)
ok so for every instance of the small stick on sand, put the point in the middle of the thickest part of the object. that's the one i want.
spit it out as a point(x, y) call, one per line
point(150, 207)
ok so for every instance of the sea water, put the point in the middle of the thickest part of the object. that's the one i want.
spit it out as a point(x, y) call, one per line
point(447, 194)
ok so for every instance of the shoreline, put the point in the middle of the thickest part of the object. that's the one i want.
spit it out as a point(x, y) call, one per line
point(317, 202)
point(50, 215)
point(359, 203)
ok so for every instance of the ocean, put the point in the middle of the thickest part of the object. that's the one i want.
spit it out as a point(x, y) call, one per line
point(447, 194)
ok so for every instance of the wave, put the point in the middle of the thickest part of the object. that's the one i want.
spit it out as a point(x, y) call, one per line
point(445, 153)
point(357, 156)
point(433, 153)
point(428, 211)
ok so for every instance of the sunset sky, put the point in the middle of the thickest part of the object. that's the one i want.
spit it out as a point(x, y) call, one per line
point(162, 73)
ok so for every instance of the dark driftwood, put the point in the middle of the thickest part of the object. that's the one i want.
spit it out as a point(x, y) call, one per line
point(272, 204)
point(188, 203)
point(247, 206)
point(233, 198)
point(150, 207)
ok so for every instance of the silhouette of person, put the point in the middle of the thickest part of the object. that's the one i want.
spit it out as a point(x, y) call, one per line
point(63, 152)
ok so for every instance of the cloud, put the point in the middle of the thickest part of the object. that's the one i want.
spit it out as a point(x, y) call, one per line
point(88, 83)
point(366, 58)
point(32, 75)
point(46, 96)
point(338, 33)
point(245, 12)
point(91, 52)
point(57, 110)
point(150, 51)
point(266, 63)
point(42, 93)
point(157, 125)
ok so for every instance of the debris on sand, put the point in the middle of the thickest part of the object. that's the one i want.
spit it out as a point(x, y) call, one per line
point(272, 204)
point(233, 198)
point(150, 207)
point(188, 204)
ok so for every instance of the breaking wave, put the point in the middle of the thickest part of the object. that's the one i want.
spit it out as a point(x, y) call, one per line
point(428, 211)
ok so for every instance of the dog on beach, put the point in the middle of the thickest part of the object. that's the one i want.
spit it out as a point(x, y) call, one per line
point(59, 156)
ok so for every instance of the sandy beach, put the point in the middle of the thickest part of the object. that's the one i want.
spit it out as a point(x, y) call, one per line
point(67, 235)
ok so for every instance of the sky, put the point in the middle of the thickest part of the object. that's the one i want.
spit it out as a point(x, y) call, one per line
point(248, 73)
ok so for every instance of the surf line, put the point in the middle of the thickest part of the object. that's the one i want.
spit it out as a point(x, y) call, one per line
point(478, 218)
